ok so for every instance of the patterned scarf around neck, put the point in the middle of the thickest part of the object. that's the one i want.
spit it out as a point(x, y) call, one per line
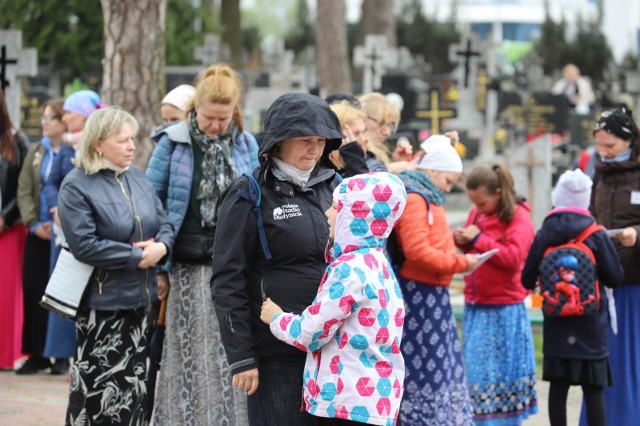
point(217, 170)
point(419, 182)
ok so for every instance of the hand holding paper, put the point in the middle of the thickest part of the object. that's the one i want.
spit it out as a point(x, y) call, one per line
point(482, 257)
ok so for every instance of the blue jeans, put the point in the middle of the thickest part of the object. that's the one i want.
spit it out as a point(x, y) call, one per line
point(278, 400)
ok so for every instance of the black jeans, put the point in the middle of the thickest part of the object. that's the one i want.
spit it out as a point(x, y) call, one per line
point(278, 400)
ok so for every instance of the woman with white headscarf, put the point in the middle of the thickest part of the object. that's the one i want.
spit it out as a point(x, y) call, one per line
point(435, 384)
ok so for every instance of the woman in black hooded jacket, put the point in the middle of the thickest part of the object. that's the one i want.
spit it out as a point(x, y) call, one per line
point(286, 263)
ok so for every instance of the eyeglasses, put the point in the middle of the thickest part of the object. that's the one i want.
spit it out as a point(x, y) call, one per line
point(48, 118)
point(393, 126)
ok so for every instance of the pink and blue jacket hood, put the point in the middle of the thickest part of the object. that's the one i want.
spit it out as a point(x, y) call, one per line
point(368, 208)
point(353, 328)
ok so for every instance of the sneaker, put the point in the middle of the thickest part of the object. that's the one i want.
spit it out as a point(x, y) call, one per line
point(33, 365)
point(60, 367)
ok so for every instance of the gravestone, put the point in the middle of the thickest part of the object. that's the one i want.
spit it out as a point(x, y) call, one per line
point(374, 57)
point(31, 102)
point(15, 62)
point(211, 51)
point(581, 129)
point(435, 113)
point(177, 75)
point(530, 165)
point(466, 55)
point(542, 112)
point(466, 50)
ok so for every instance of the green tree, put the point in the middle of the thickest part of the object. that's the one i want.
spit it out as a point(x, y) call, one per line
point(552, 46)
point(301, 33)
point(589, 50)
point(67, 33)
point(231, 29)
point(426, 36)
point(186, 26)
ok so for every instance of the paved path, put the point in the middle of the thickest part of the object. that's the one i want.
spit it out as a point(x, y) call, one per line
point(41, 400)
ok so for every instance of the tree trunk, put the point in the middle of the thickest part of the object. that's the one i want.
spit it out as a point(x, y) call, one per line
point(378, 18)
point(134, 60)
point(331, 45)
point(231, 29)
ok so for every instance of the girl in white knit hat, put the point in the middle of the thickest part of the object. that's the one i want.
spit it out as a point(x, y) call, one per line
point(575, 348)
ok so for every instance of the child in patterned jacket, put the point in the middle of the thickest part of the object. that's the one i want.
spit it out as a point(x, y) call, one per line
point(351, 332)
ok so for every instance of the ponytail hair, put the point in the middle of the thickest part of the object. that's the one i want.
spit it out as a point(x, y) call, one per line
point(219, 84)
point(494, 178)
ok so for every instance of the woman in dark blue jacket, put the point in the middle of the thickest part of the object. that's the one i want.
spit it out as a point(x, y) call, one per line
point(113, 221)
point(296, 180)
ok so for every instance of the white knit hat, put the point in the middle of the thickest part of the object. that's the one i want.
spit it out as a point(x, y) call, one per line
point(440, 155)
point(572, 190)
point(179, 97)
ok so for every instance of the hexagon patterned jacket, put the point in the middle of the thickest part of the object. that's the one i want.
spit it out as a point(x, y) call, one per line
point(352, 330)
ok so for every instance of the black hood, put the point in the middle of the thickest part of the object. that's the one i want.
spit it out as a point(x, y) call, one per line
point(300, 114)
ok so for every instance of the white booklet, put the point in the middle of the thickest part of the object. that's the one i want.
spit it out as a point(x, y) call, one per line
point(614, 232)
point(66, 285)
point(483, 257)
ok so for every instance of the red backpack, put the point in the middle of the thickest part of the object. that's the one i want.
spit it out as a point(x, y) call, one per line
point(568, 279)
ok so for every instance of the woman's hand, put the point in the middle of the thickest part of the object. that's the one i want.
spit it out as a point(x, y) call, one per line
point(472, 262)
point(403, 151)
point(628, 238)
point(269, 310)
point(349, 133)
point(56, 218)
point(152, 252)
point(466, 235)
point(163, 285)
point(247, 380)
point(453, 135)
point(43, 231)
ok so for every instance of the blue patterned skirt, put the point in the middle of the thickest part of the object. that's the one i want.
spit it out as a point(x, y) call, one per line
point(435, 388)
point(622, 399)
point(500, 363)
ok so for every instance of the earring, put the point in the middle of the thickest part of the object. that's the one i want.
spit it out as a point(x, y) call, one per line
point(100, 154)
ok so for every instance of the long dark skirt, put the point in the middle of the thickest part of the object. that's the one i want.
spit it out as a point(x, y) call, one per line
point(35, 276)
point(109, 377)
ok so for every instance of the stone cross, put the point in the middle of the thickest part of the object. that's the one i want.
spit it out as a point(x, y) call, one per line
point(211, 51)
point(434, 114)
point(455, 51)
point(482, 82)
point(531, 167)
point(374, 57)
point(273, 52)
point(15, 62)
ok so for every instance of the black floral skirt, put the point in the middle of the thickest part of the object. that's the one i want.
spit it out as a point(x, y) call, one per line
point(109, 377)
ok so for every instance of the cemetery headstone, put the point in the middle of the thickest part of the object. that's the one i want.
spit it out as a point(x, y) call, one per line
point(211, 51)
point(31, 102)
point(435, 113)
point(467, 51)
point(531, 167)
point(374, 57)
point(467, 56)
point(541, 112)
point(581, 129)
point(15, 62)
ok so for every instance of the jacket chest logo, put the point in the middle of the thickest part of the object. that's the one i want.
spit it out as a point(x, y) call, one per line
point(286, 211)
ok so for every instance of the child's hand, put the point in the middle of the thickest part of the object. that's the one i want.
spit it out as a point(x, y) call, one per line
point(269, 310)
point(472, 262)
point(628, 238)
point(466, 235)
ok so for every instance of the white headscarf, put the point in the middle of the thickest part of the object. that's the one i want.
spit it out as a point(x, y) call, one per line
point(439, 155)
